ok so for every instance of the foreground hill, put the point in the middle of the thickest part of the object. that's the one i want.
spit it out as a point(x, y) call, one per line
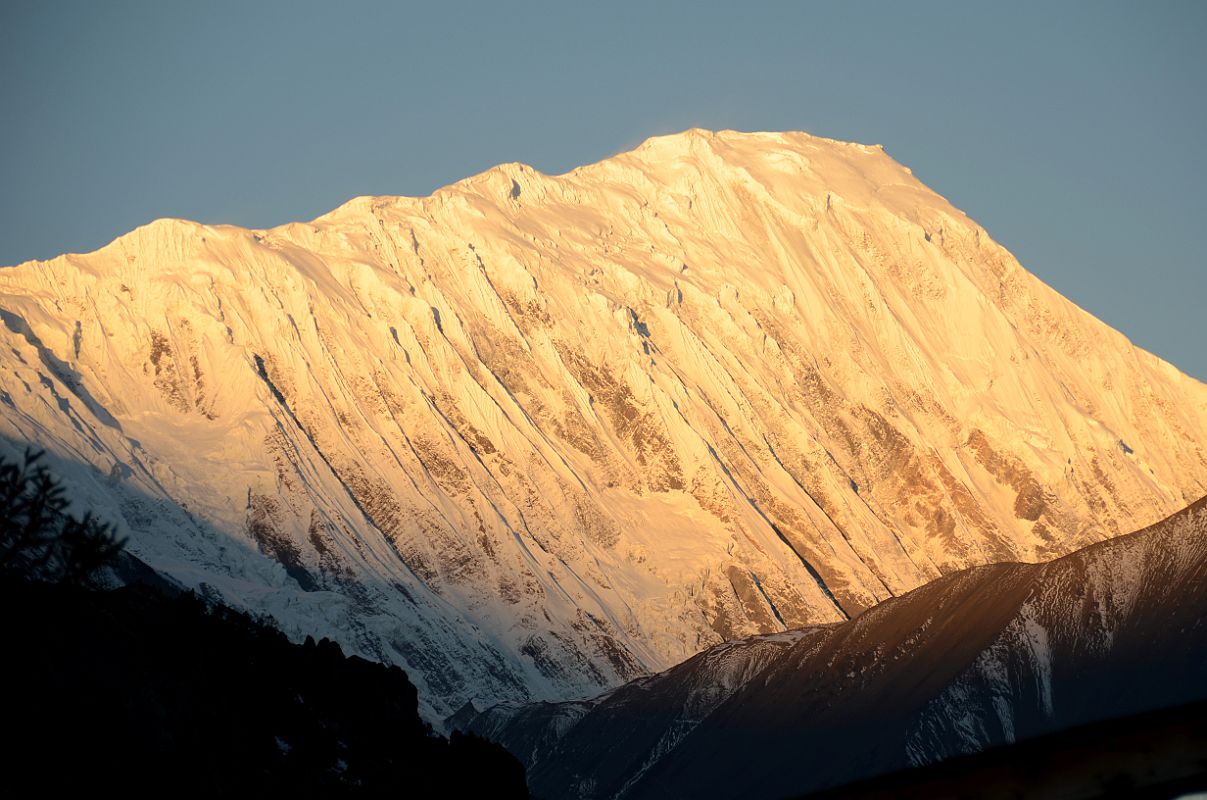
point(534, 436)
point(980, 658)
point(139, 693)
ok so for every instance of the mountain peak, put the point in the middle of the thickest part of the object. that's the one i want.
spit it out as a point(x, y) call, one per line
point(732, 142)
point(534, 435)
point(813, 161)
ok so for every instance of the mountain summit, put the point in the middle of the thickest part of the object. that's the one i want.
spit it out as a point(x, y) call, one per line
point(535, 435)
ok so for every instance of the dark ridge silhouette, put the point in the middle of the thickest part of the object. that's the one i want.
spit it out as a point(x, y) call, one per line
point(146, 688)
point(133, 690)
point(1158, 755)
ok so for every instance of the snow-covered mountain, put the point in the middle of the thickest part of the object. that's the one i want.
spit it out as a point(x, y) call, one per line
point(534, 436)
point(978, 658)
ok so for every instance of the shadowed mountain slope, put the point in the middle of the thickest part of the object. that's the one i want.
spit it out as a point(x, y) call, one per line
point(980, 658)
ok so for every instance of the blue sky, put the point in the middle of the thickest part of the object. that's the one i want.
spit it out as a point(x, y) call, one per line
point(1074, 132)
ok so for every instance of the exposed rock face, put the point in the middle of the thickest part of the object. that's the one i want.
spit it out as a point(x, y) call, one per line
point(978, 658)
point(533, 436)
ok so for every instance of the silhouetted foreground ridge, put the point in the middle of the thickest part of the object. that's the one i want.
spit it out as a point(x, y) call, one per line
point(145, 688)
point(132, 689)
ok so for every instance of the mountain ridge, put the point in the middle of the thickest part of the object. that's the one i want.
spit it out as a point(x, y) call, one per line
point(988, 656)
point(532, 436)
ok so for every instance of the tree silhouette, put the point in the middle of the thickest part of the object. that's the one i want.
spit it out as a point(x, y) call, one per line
point(38, 537)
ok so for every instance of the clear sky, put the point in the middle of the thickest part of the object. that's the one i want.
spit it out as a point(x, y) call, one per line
point(1074, 132)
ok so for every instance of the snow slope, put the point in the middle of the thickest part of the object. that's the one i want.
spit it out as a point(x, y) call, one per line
point(533, 436)
point(983, 657)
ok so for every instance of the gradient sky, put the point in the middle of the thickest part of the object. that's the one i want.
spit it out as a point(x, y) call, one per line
point(1074, 132)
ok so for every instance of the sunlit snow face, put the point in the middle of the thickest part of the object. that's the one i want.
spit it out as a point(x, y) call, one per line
point(533, 446)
